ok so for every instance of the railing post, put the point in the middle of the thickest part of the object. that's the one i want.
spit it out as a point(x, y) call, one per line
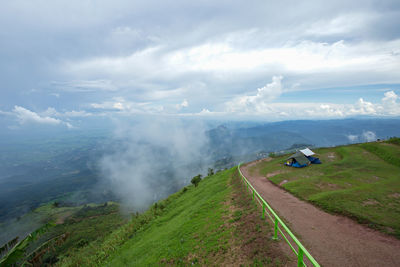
point(263, 211)
point(300, 262)
point(275, 230)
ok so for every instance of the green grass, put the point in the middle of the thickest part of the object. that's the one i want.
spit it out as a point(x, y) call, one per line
point(192, 224)
point(386, 151)
point(71, 229)
point(360, 181)
point(212, 224)
point(394, 140)
point(169, 232)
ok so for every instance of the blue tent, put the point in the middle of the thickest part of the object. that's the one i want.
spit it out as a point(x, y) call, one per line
point(302, 158)
point(297, 160)
point(314, 160)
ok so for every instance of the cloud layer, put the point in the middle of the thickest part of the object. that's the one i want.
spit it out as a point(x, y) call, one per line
point(208, 58)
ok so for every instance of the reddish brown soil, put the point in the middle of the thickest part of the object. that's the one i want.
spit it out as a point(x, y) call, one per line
point(333, 240)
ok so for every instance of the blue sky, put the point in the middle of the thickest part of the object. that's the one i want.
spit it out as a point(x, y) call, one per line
point(70, 60)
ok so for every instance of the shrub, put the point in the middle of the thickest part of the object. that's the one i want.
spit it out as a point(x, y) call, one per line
point(394, 140)
point(196, 180)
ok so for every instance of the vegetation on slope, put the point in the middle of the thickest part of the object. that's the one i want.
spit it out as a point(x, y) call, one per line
point(389, 152)
point(68, 229)
point(215, 223)
point(361, 181)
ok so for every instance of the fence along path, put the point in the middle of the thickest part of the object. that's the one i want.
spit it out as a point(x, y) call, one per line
point(333, 240)
point(280, 226)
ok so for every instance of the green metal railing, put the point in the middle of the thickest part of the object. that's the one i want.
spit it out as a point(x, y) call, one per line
point(278, 223)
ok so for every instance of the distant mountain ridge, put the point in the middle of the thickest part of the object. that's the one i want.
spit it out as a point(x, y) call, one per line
point(282, 135)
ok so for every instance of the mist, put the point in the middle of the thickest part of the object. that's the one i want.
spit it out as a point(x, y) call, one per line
point(153, 158)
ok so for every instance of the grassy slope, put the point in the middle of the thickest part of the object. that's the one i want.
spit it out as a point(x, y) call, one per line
point(360, 181)
point(72, 228)
point(170, 238)
point(212, 224)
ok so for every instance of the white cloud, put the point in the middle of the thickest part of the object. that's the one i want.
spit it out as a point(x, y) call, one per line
point(390, 103)
point(184, 104)
point(121, 106)
point(363, 107)
point(25, 116)
point(226, 60)
point(50, 112)
point(205, 111)
point(5, 113)
point(369, 136)
point(341, 24)
point(260, 105)
point(330, 110)
point(259, 101)
point(139, 64)
point(85, 86)
point(80, 113)
point(352, 138)
point(117, 104)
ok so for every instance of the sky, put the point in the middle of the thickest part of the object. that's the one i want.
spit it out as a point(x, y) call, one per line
point(63, 61)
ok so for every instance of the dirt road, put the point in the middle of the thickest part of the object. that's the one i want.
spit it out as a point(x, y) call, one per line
point(332, 240)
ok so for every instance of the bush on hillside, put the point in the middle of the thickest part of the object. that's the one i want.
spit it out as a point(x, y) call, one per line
point(196, 180)
point(394, 140)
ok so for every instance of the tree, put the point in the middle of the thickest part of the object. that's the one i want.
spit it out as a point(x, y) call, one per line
point(210, 172)
point(196, 180)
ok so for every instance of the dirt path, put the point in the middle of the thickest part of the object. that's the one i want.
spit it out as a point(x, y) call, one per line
point(332, 240)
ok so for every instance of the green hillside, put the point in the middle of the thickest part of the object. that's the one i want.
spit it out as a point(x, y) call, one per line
point(361, 181)
point(66, 229)
point(215, 223)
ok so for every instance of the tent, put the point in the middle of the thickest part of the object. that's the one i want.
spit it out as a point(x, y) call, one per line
point(307, 152)
point(297, 160)
point(302, 159)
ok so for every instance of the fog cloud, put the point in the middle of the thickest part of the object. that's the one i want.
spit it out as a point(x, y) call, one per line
point(352, 138)
point(154, 158)
point(369, 136)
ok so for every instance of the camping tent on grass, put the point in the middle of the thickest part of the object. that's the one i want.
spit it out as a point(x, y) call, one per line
point(302, 159)
point(307, 152)
point(297, 160)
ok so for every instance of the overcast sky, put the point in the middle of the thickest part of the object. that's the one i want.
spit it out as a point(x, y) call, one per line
point(270, 60)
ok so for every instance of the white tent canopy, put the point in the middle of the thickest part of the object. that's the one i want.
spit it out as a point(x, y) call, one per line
point(307, 152)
